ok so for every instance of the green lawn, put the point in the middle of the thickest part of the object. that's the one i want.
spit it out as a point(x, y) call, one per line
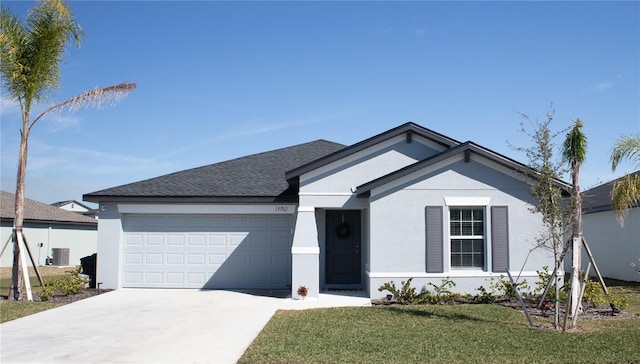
point(445, 334)
point(10, 310)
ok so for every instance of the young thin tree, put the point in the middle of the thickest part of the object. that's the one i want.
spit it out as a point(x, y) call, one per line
point(548, 193)
point(626, 191)
point(574, 151)
point(30, 70)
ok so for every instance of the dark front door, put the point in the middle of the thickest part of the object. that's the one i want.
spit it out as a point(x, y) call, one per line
point(343, 247)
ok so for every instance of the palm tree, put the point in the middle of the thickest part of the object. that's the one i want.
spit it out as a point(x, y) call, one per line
point(30, 69)
point(574, 150)
point(626, 191)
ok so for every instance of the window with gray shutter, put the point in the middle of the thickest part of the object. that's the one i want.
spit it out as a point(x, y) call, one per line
point(434, 239)
point(500, 238)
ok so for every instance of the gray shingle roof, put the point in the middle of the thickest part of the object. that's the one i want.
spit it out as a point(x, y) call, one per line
point(598, 199)
point(41, 212)
point(254, 178)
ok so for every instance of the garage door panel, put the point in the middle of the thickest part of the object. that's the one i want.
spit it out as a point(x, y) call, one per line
point(281, 222)
point(196, 240)
point(133, 239)
point(173, 259)
point(207, 251)
point(154, 240)
point(217, 239)
point(133, 258)
point(153, 258)
point(196, 259)
point(175, 240)
point(216, 259)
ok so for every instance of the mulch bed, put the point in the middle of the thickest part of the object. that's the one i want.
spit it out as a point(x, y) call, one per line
point(58, 298)
point(589, 311)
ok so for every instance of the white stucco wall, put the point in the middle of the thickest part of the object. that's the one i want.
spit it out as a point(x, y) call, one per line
point(614, 247)
point(332, 187)
point(397, 227)
point(80, 240)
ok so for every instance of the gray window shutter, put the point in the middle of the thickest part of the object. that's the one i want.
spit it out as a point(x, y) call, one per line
point(500, 238)
point(434, 239)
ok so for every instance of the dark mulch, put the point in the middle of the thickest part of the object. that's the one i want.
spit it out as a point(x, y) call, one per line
point(58, 298)
point(589, 311)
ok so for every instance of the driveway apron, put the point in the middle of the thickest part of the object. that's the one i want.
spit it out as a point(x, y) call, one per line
point(141, 326)
point(149, 326)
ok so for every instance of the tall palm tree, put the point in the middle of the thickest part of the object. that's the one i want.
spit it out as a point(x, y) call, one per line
point(626, 191)
point(574, 151)
point(30, 69)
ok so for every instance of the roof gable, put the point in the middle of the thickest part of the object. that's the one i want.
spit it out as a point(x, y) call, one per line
point(38, 211)
point(409, 129)
point(62, 204)
point(465, 149)
point(254, 178)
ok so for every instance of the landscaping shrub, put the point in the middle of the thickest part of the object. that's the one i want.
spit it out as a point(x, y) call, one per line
point(406, 294)
point(594, 295)
point(67, 285)
point(506, 288)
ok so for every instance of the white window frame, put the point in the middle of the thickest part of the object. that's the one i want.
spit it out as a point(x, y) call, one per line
point(462, 202)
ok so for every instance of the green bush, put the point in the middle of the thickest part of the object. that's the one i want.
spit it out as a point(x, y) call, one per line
point(67, 285)
point(594, 294)
point(543, 279)
point(484, 296)
point(406, 293)
point(506, 288)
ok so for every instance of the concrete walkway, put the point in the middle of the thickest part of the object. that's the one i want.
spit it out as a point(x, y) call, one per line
point(150, 326)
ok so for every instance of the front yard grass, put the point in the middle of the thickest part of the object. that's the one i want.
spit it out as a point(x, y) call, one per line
point(11, 310)
point(442, 334)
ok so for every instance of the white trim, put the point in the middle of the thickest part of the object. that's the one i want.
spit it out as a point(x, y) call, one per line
point(305, 250)
point(205, 209)
point(450, 274)
point(325, 194)
point(306, 209)
point(466, 201)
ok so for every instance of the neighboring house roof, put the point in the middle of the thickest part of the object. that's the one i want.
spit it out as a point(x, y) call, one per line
point(467, 147)
point(35, 211)
point(69, 202)
point(598, 199)
point(409, 128)
point(257, 178)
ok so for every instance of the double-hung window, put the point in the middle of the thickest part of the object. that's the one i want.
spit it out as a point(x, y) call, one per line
point(467, 237)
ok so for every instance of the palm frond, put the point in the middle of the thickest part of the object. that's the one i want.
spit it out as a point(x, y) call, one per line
point(94, 98)
point(625, 194)
point(626, 148)
point(574, 149)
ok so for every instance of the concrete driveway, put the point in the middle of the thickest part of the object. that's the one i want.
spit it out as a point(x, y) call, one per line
point(149, 326)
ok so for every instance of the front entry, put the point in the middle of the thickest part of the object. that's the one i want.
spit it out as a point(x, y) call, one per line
point(343, 242)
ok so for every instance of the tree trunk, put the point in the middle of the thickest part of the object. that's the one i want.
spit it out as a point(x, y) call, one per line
point(18, 220)
point(576, 242)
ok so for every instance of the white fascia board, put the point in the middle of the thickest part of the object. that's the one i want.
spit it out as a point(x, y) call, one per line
point(467, 201)
point(205, 209)
point(326, 193)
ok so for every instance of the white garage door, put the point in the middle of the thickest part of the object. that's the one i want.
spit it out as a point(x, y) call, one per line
point(207, 251)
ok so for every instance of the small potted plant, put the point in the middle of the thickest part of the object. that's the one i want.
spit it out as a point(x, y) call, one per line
point(302, 292)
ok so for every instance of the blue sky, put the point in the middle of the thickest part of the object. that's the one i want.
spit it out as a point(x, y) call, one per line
point(221, 80)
